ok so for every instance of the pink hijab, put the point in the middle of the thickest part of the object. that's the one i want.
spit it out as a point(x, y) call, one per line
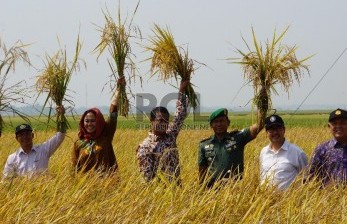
point(100, 125)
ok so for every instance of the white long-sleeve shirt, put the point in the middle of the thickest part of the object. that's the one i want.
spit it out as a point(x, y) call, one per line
point(280, 167)
point(35, 162)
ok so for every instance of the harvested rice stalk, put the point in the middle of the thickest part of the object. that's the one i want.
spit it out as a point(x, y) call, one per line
point(115, 38)
point(267, 66)
point(13, 94)
point(54, 80)
point(171, 62)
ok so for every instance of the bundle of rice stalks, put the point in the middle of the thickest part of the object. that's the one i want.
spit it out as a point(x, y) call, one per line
point(13, 94)
point(267, 66)
point(171, 62)
point(115, 38)
point(54, 80)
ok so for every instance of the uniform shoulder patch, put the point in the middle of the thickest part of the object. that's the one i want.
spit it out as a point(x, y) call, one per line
point(233, 132)
point(205, 139)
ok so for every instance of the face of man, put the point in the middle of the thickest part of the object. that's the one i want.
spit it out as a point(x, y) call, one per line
point(338, 128)
point(220, 125)
point(275, 134)
point(90, 122)
point(160, 123)
point(25, 139)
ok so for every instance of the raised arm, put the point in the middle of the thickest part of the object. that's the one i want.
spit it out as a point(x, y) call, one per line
point(52, 144)
point(181, 110)
point(257, 127)
point(61, 125)
point(112, 119)
point(114, 102)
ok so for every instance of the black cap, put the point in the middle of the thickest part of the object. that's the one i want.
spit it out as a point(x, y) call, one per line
point(23, 127)
point(273, 120)
point(338, 113)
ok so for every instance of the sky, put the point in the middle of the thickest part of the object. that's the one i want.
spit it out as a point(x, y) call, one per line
point(210, 30)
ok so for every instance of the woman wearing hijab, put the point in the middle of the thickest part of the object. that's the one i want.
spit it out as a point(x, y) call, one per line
point(93, 150)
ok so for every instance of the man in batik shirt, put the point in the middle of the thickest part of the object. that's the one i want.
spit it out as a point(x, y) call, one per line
point(158, 152)
point(329, 160)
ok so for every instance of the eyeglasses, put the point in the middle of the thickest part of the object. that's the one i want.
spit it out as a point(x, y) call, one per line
point(89, 120)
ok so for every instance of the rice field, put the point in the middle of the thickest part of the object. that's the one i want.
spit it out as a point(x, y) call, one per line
point(61, 197)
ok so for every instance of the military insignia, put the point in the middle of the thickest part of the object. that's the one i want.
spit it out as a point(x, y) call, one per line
point(338, 112)
point(22, 126)
point(272, 118)
point(230, 144)
point(209, 146)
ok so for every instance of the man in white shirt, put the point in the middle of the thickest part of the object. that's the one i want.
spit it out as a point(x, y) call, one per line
point(280, 161)
point(29, 159)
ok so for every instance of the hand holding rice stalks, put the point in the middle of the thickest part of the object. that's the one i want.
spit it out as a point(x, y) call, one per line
point(264, 68)
point(169, 62)
point(14, 93)
point(54, 80)
point(115, 38)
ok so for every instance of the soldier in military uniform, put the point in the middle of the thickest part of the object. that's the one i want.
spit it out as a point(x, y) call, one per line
point(222, 155)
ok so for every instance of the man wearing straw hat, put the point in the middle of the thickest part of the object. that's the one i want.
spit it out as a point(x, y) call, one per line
point(329, 160)
point(280, 161)
point(221, 156)
point(30, 160)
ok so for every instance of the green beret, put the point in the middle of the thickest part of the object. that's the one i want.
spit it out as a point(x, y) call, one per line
point(218, 113)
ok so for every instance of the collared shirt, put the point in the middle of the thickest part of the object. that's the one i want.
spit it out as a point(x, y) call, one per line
point(150, 151)
point(280, 167)
point(329, 162)
point(225, 158)
point(35, 162)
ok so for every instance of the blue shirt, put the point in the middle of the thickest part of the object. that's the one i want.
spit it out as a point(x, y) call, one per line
point(329, 162)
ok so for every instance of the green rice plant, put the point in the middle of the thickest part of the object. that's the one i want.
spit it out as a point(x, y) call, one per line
point(268, 66)
point(54, 80)
point(170, 61)
point(115, 37)
point(10, 95)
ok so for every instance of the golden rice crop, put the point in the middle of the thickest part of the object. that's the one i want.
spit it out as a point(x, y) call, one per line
point(115, 38)
point(170, 62)
point(54, 80)
point(63, 198)
point(10, 95)
point(266, 67)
